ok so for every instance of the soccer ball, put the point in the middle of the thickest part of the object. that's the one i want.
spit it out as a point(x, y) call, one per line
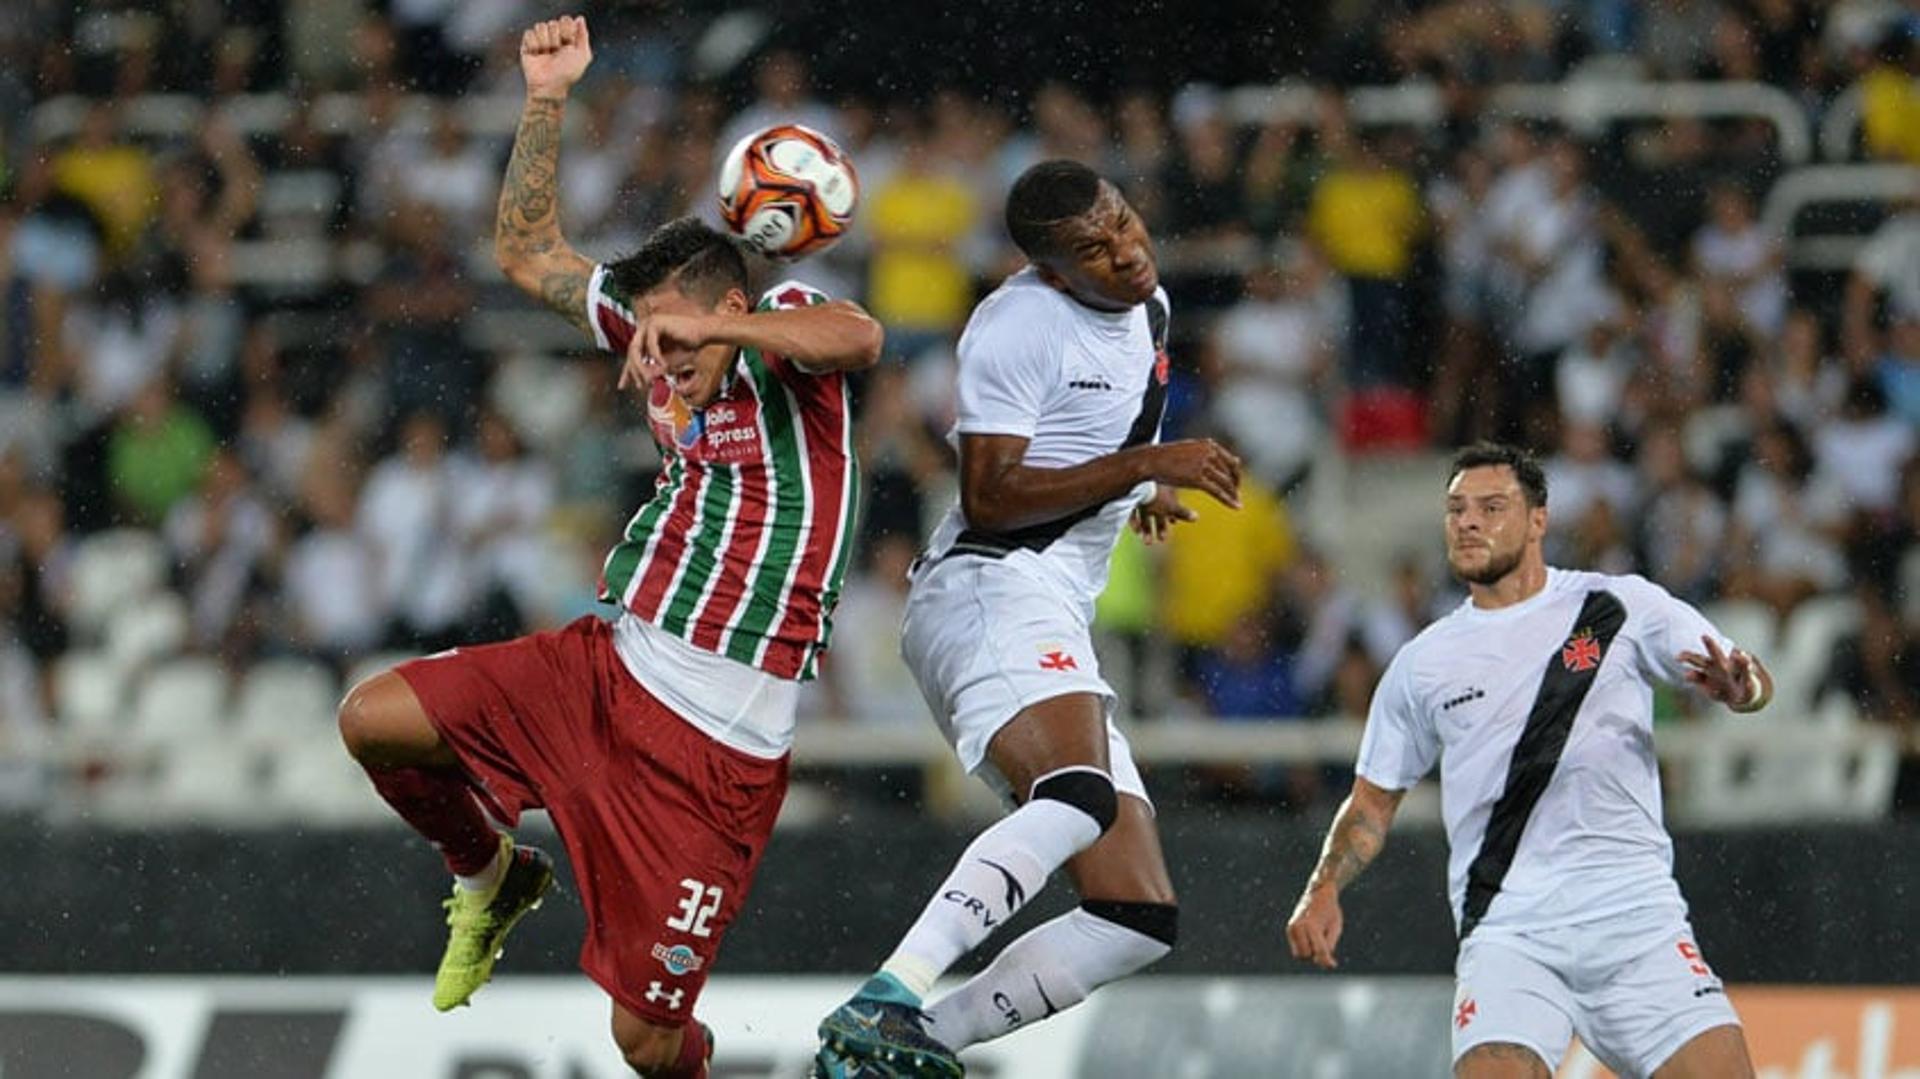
point(787, 191)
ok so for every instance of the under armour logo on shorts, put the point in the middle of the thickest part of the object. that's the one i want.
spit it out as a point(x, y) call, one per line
point(657, 993)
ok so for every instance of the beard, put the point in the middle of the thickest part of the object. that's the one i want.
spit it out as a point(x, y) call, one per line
point(1498, 565)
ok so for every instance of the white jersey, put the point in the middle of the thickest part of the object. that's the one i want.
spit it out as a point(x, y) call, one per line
point(1541, 717)
point(1078, 384)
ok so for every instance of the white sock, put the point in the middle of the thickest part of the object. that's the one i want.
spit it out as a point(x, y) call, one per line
point(487, 879)
point(1048, 970)
point(1005, 866)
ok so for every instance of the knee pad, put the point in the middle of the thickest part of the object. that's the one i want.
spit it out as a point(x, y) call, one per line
point(1160, 921)
point(1088, 790)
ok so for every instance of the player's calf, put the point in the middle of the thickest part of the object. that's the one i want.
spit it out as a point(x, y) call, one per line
point(663, 1052)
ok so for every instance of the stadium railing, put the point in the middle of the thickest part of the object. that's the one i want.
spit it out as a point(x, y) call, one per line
point(1816, 185)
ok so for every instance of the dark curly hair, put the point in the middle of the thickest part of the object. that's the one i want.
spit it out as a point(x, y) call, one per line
point(699, 261)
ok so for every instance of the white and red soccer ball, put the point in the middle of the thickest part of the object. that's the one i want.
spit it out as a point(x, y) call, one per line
point(787, 191)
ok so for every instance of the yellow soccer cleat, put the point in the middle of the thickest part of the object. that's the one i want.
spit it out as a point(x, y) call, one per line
point(480, 922)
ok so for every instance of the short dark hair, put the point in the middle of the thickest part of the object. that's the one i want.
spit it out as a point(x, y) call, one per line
point(695, 258)
point(1526, 468)
point(1043, 198)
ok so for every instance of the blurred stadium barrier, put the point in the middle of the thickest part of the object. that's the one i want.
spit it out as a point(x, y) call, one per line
point(554, 1028)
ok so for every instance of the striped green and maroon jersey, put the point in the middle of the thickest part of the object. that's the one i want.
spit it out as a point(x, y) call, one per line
point(743, 547)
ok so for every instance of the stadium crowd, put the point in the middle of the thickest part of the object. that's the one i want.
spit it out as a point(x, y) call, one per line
point(389, 454)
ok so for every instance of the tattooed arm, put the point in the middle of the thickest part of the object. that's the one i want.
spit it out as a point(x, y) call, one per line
point(527, 241)
point(1359, 831)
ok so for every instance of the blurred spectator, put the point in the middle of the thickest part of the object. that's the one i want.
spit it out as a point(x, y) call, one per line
point(1366, 216)
point(1807, 385)
point(1878, 669)
point(918, 222)
point(1223, 565)
point(418, 305)
point(504, 496)
point(1273, 354)
point(1684, 526)
point(1733, 252)
point(1591, 376)
point(1203, 188)
point(455, 175)
point(1784, 544)
point(906, 464)
point(864, 679)
point(1890, 96)
point(1391, 621)
point(39, 542)
point(191, 246)
point(1899, 371)
point(1583, 480)
point(783, 90)
point(112, 175)
point(406, 515)
point(1887, 269)
point(332, 577)
point(220, 538)
point(1329, 614)
point(1862, 449)
point(156, 454)
point(122, 337)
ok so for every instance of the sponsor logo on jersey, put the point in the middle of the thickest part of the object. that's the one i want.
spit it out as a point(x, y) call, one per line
point(1581, 652)
point(1090, 384)
point(1471, 693)
point(678, 959)
point(726, 432)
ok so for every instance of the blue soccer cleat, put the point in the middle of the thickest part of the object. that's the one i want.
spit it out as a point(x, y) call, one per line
point(881, 1034)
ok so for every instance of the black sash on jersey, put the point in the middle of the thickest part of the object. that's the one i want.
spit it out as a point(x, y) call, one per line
point(1037, 537)
point(1570, 674)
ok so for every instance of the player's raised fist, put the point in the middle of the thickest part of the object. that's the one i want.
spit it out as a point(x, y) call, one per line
point(554, 54)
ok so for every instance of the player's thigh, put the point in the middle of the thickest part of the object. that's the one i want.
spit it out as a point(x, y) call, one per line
point(1506, 999)
point(1719, 1053)
point(1653, 1008)
point(1500, 1060)
point(383, 724)
point(1126, 863)
point(1059, 732)
point(664, 849)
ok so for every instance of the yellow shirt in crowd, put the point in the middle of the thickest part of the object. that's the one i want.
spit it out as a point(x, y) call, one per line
point(1366, 220)
point(918, 277)
point(1222, 566)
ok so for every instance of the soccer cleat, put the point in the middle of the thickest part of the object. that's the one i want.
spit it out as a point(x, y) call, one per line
point(882, 1032)
point(480, 922)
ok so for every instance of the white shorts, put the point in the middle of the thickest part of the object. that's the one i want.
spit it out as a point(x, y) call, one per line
point(985, 641)
point(1634, 987)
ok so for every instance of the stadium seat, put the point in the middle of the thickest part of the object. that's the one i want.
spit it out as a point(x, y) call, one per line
point(217, 782)
point(284, 698)
point(181, 702)
point(1771, 771)
point(112, 572)
point(314, 780)
point(90, 696)
point(154, 628)
point(1805, 649)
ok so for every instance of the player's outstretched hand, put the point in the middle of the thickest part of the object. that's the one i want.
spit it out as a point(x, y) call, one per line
point(1202, 465)
point(1727, 677)
point(554, 54)
point(1314, 930)
point(1156, 516)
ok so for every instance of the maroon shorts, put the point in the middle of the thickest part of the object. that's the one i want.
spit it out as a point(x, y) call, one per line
point(663, 824)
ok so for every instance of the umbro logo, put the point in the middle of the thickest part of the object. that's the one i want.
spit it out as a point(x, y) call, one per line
point(1473, 693)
